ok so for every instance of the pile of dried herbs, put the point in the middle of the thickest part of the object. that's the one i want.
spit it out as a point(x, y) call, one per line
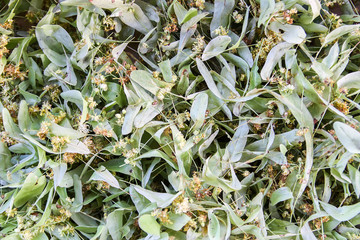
point(179, 119)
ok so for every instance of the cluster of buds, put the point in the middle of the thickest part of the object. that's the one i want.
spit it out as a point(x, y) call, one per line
point(171, 27)
point(5, 138)
point(100, 61)
point(307, 208)
point(285, 170)
point(318, 222)
point(8, 25)
point(302, 132)
point(102, 185)
point(66, 230)
point(56, 118)
point(191, 224)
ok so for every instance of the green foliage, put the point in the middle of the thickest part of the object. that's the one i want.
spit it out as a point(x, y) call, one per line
point(191, 119)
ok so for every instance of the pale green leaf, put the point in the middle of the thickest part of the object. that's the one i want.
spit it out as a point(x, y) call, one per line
point(348, 136)
point(280, 195)
point(102, 174)
point(215, 47)
point(149, 224)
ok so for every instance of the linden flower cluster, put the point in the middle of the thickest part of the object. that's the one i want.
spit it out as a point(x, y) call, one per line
point(331, 3)
point(318, 222)
point(127, 69)
point(162, 93)
point(335, 20)
point(200, 4)
point(237, 17)
point(181, 118)
point(130, 156)
point(199, 44)
point(26, 222)
point(129, 153)
point(168, 29)
point(191, 224)
point(66, 230)
point(60, 221)
point(120, 117)
point(59, 142)
point(288, 89)
point(11, 212)
point(100, 81)
point(181, 204)
point(45, 108)
point(71, 158)
point(57, 118)
point(102, 185)
point(288, 15)
point(13, 71)
point(5, 138)
point(341, 106)
point(202, 218)
point(180, 139)
point(195, 184)
point(44, 130)
point(221, 31)
point(109, 23)
point(26, 225)
point(162, 215)
point(102, 131)
point(92, 103)
point(54, 91)
point(263, 47)
point(121, 144)
point(8, 25)
point(3, 43)
point(198, 136)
